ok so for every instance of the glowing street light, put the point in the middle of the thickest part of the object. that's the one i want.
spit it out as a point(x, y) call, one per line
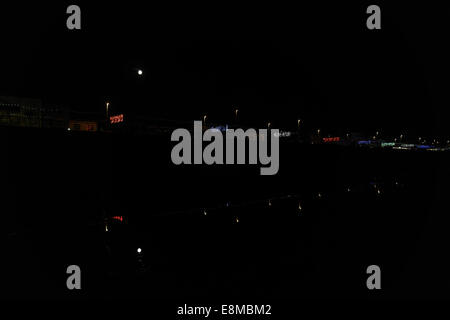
point(107, 109)
point(139, 250)
point(298, 123)
point(140, 72)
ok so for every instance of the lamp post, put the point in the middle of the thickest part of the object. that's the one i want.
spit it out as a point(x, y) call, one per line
point(107, 110)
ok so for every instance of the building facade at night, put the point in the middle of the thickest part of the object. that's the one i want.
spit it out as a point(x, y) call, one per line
point(32, 113)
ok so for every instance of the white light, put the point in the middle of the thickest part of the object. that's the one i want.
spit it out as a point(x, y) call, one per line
point(139, 250)
point(140, 72)
point(68, 129)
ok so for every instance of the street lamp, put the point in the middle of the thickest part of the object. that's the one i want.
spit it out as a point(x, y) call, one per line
point(107, 109)
point(140, 72)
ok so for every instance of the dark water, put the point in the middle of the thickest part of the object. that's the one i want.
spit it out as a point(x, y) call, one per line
point(60, 187)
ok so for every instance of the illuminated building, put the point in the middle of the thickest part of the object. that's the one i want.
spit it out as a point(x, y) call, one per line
point(31, 113)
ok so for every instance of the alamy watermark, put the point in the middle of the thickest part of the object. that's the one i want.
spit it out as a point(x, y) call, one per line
point(74, 280)
point(213, 153)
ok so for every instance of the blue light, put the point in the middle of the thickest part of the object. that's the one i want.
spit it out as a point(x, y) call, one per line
point(220, 128)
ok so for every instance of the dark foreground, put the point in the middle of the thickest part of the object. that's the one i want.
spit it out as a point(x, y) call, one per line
point(254, 242)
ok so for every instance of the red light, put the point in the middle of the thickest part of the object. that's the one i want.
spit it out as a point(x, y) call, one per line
point(119, 218)
point(116, 119)
point(333, 139)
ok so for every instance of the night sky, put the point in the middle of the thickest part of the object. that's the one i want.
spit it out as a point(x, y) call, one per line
point(275, 62)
